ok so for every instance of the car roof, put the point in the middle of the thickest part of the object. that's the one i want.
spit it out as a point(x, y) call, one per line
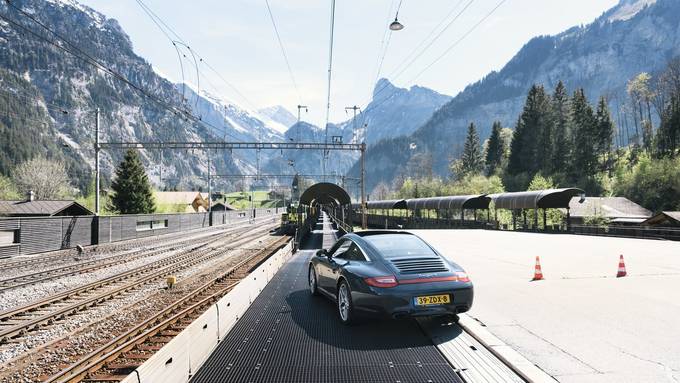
point(366, 233)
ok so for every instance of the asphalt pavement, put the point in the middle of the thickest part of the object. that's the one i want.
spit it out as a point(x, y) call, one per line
point(581, 323)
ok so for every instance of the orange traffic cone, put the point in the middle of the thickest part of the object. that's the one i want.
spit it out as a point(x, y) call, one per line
point(622, 268)
point(538, 274)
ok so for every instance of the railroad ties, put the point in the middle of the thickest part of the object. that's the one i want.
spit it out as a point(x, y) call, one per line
point(34, 334)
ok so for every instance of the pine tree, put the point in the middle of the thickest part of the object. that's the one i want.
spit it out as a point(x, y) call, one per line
point(472, 162)
point(584, 140)
point(131, 188)
point(528, 152)
point(668, 134)
point(495, 150)
point(604, 130)
point(561, 151)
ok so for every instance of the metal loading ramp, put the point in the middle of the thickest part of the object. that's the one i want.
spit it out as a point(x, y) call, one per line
point(287, 335)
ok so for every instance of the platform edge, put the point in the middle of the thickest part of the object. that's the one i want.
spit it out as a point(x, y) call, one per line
point(513, 359)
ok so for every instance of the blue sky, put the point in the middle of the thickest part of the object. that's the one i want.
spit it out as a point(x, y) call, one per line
point(237, 39)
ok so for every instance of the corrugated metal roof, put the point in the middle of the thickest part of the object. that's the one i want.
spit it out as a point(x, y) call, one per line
point(548, 198)
point(324, 193)
point(35, 208)
point(477, 201)
point(387, 204)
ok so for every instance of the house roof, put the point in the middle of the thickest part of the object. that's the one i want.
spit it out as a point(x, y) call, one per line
point(178, 197)
point(671, 217)
point(38, 208)
point(222, 205)
point(610, 207)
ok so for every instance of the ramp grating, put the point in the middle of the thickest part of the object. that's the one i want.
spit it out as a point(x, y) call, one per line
point(289, 336)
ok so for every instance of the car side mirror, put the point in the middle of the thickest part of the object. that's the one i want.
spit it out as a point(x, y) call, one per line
point(321, 253)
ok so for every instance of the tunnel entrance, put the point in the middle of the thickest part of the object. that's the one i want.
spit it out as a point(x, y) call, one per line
point(329, 197)
point(325, 194)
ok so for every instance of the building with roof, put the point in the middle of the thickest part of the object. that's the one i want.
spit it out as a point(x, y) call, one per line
point(188, 201)
point(664, 219)
point(221, 206)
point(50, 208)
point(618, 210)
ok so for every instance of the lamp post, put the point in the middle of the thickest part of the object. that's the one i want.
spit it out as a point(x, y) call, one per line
point(96, 162)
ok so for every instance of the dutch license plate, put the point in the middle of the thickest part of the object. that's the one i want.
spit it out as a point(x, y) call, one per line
point(432, 300)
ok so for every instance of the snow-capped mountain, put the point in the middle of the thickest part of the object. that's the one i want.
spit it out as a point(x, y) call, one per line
point(228, 120)
point(278, 117)
point(58, 81)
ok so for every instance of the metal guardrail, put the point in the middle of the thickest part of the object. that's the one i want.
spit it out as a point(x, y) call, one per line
point(346, 227)
point(642, 232)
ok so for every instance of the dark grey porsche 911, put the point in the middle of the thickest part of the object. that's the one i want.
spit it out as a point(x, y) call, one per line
point(389, 273)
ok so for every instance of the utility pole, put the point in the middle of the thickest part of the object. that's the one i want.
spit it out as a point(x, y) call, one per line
point(160, 172)
point(298, 120)
point(252, 203)
point(354, 118)
point(363, 187)
point(96, 163)
point(209, 189)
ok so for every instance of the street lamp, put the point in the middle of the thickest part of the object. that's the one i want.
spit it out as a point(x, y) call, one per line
point(396, 25)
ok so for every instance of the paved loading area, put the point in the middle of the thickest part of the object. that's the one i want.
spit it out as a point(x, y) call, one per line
point(289, 336)
point(580, 324)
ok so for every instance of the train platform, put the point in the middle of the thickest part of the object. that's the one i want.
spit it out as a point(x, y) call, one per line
point(287, 335)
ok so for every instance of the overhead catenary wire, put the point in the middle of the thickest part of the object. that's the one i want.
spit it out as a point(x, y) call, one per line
point(446, 51)
point(432, 33)
point(167, 29)
point(398, 72)
point(455, 43)
point(89, 59)
point(152, 15)
point(381, 48)
point(417, 52)
point(176, 40)
point(283, 52)
point(40, 102)
point(330, 71)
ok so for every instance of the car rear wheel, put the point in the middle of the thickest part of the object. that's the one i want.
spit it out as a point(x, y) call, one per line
point(312, 281)
point(345, 306)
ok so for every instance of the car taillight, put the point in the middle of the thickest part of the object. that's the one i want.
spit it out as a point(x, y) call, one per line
point(386, 281)
point(462, 276)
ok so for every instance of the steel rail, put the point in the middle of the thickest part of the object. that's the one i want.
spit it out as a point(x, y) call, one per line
point(59, 256)
point(155, 324)
point(82, 267)
point(185, 260)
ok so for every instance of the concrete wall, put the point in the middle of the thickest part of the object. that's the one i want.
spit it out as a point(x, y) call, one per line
point(179, 359)
point(42, 234)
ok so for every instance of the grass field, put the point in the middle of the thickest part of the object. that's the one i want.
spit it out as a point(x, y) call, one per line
point(240, 200)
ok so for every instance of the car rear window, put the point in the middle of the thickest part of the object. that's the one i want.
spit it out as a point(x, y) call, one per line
point(399, 245)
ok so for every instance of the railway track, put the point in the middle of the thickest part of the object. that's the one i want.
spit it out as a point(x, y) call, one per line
point(66, 257)
point(23, 320)
point(114, 360)
point(101, 263)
